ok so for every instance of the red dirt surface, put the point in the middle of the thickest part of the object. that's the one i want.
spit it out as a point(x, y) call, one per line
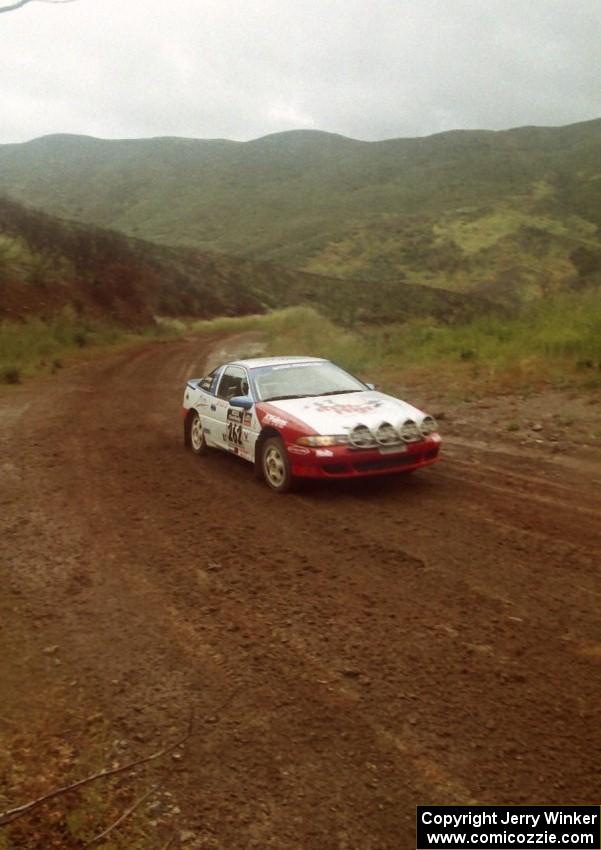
point(433, 638)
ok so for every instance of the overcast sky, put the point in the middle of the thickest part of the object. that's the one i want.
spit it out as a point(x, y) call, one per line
point(239, 69)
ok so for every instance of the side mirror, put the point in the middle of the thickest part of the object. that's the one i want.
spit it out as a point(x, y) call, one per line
point(204, 383)
point(243, 401)
point(371, 386)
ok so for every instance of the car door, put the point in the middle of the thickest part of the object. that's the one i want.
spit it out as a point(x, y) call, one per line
point(204, 403)
point(232, 423)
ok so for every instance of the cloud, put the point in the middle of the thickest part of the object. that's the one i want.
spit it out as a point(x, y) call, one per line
point(244, 68)
point(288, 115)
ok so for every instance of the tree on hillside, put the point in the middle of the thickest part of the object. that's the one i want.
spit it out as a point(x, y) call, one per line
point(20, 3)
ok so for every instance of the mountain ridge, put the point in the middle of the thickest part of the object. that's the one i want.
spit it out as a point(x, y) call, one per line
point(310, 131)
point(505, 213)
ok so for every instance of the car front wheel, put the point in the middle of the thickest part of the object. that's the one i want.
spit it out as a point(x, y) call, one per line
point(276, 465)
point(197, 438)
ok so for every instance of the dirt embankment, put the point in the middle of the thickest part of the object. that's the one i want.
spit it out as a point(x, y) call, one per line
point(434, 638)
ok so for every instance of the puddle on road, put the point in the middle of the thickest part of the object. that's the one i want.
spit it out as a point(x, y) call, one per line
point(237, 347)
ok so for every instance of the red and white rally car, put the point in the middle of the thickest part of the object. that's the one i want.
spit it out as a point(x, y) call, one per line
point(304, 417)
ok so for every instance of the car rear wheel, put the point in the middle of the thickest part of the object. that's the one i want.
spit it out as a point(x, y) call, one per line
point(197, 438)
point(276, 465)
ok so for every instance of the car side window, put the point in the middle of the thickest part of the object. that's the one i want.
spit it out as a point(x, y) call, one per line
point(233, 382)
point(209, 383)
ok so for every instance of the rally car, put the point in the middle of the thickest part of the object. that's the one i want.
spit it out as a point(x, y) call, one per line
point(305, 417)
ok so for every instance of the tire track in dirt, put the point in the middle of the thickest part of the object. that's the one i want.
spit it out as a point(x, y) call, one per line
point(426, 638)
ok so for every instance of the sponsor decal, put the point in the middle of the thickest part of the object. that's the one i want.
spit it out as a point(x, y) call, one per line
point(276, 421)
point(298, 450)
point(330, 406)
point(235, 415)
point(323, 453)
point(248, 418)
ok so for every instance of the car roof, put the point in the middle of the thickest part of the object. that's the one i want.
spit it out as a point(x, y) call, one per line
point(258, 362)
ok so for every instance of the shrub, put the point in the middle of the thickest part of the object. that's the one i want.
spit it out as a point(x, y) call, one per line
point(10, 375)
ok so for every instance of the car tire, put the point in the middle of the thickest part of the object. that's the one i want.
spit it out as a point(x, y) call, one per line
point(196, 437)
point(275, 465)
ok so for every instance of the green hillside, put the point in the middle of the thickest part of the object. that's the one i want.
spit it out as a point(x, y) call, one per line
point(47, 264)
point(510, 215)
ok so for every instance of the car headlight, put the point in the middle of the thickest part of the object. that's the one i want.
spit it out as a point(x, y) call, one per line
point(428, 425)
point(387, 435)
point(361, 437)
point(409, 431)
point(328, 440)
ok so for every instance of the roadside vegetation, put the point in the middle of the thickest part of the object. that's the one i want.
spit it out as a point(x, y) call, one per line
point(551, 341)
point(555, 341)
point(36, 346)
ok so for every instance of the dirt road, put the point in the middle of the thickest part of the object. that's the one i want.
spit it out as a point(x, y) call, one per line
point(435, 638)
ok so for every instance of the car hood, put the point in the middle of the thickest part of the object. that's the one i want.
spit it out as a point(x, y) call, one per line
point(337, 414)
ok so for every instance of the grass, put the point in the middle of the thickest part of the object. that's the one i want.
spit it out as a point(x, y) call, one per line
point(566, 328)
point(36, 346)
point(296, 330)
point(555, 341)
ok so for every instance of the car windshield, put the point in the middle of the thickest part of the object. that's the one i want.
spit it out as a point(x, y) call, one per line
point(298, 380)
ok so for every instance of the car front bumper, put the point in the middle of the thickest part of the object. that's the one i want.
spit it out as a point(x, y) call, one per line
point(345, 462)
